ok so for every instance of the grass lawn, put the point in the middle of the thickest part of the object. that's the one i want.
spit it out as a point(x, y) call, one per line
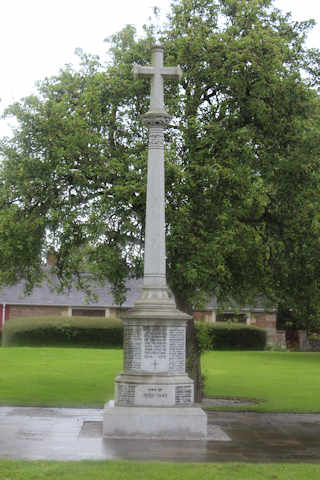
point(85, 377)
point(122, 470)
point(58, 376)
point(283, 381)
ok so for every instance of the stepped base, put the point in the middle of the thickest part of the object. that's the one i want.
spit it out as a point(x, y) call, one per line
point(145, 390)
point(183, 423)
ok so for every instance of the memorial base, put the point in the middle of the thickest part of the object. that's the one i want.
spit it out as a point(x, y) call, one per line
point(145, 390)
point(183, 423)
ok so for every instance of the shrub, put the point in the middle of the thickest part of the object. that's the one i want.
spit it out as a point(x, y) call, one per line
point(100, 332)
point(64, 331)
point(314, 336)
point(229, 336)
point(204, 337)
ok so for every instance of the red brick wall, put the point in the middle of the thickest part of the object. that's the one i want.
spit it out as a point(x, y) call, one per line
point(35, 311)
point(202, 316)
point(7, 314)
point(266, 320)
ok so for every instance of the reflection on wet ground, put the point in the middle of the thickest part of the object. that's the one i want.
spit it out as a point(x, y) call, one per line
point(76, 434)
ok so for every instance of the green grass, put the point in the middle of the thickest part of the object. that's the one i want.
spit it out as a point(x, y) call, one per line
point(85, 377)
point(283, 381)
point(122, 470)
point(58, 376)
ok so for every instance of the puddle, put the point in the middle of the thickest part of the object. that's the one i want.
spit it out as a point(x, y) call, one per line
point(228, 402)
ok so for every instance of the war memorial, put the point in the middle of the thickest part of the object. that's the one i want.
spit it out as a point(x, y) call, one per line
point(154, 397)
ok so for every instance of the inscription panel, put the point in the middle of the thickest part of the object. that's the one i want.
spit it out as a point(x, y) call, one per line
point(132, 344)
point(126, 394)
point(155, 351)
point(154, 348)
point(184, 395)
point(155, 395)
point(177, 343)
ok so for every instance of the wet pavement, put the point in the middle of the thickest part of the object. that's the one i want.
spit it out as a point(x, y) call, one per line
point(76, 434)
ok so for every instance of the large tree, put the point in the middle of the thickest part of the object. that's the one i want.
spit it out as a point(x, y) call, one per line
point(242, 162)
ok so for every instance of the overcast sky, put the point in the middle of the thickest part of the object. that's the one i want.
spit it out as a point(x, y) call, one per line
point(38, 37)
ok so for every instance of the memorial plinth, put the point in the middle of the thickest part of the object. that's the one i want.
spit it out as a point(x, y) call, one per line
point(154, 395)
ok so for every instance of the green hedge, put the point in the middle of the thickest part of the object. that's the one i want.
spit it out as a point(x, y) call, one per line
point(104, 332)
point(233, 336)
point(64, 331)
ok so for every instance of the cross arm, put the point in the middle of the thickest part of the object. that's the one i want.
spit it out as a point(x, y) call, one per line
point(173, 73)
point(140, 71)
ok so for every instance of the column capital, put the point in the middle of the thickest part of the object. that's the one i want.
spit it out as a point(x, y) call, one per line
point(156, 119)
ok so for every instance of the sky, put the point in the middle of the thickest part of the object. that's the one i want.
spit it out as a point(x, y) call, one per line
point(38, 37)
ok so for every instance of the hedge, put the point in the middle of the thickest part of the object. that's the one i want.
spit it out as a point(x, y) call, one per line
point(100, 332)
point(233, 336)
point(65, 331)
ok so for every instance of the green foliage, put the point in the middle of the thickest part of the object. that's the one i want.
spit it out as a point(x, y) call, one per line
point(205, 339)
point(62, 331)
point(314, 336)
point(250, 187)
point(230, 336)
point(305, 319)
point(242, 172)
point(286, 319)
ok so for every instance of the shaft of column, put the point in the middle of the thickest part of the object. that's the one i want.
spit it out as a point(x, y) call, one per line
point(155, 246)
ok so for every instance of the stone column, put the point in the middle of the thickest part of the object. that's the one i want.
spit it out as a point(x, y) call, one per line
point(153, 394)
point(155, 249)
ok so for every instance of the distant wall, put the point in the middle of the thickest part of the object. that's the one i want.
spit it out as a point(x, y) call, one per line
point(266, 320)
point(204, 316)
point(17, 311)
point(36, 311)
point(94, 312)
point(4, 315)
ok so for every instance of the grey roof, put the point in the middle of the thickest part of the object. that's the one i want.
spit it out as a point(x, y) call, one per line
point(46, 294)
point(260, 304)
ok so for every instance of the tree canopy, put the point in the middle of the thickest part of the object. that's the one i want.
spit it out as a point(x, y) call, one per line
point(242, 161)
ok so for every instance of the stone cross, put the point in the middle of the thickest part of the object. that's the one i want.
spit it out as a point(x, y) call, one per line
point(157, 72)
point(156, 119)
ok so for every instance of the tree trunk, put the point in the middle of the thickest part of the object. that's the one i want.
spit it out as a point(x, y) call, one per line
point(193, 361)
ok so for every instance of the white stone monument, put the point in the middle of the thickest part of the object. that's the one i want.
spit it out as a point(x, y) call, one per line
point(153, 394)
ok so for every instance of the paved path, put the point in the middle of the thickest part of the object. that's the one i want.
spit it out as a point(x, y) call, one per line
point(76, 434)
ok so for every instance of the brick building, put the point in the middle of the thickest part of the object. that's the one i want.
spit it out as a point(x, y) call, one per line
point(45, 300)
point(258, 315)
